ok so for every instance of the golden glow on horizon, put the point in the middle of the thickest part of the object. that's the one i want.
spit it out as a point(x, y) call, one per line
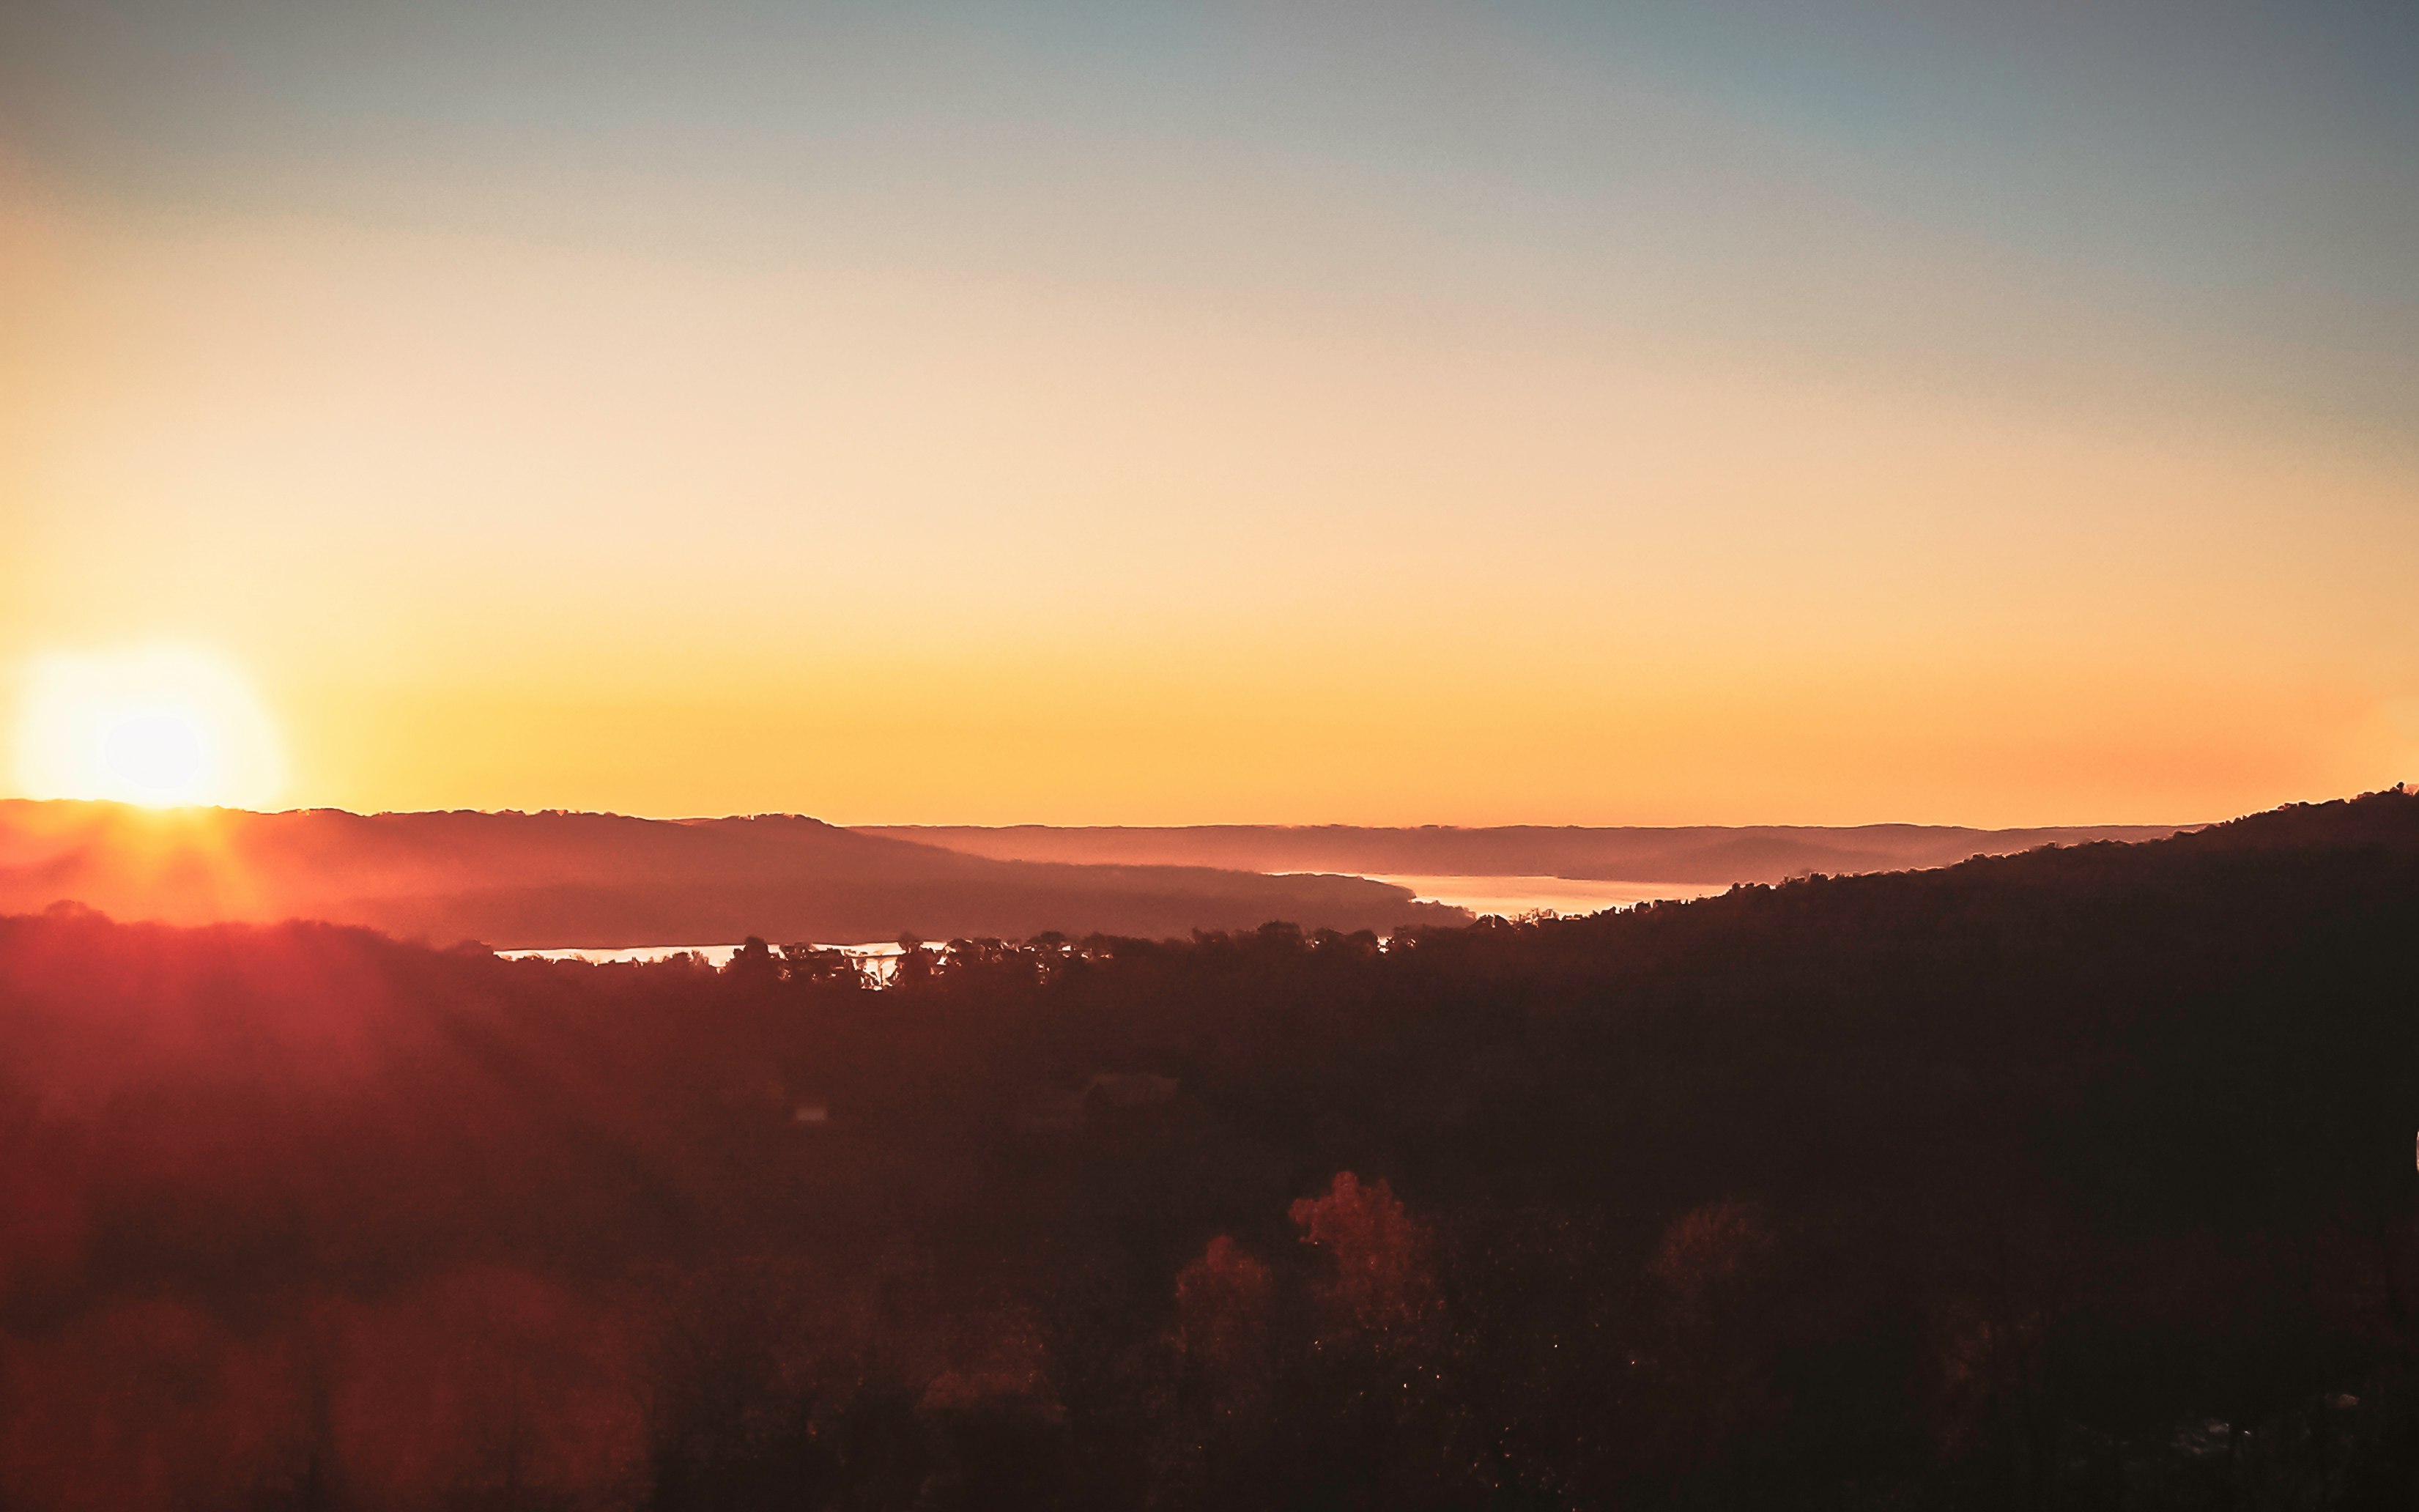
point(533, 524)
point(162, 727)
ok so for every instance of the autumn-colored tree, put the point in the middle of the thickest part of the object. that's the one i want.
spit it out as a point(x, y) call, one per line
point(1222, 1302)
point(1380, 1281)
point(1709, 1285)
point(1373, 1398)
point(1225, 1342)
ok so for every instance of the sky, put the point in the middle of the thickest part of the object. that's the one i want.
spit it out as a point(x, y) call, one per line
point(1523, 412)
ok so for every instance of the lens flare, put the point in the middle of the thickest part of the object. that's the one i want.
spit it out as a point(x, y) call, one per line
point(164, 728)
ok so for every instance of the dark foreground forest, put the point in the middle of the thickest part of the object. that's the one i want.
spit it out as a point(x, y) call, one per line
point(2077, 1178)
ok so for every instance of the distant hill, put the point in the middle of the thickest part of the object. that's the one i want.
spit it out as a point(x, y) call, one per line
point(1691, 853)
point(604, 881)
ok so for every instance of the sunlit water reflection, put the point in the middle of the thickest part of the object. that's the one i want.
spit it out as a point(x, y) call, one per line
point(717, 956)
point(1513, 896)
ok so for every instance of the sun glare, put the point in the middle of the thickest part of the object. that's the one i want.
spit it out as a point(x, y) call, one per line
point(164, 728)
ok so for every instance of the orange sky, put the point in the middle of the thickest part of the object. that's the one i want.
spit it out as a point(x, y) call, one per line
point(1196, 478)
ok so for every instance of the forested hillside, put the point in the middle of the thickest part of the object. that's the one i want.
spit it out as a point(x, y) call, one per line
point(2081, 1178)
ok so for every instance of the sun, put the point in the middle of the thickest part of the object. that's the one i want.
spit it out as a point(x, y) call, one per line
point(164, 727)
